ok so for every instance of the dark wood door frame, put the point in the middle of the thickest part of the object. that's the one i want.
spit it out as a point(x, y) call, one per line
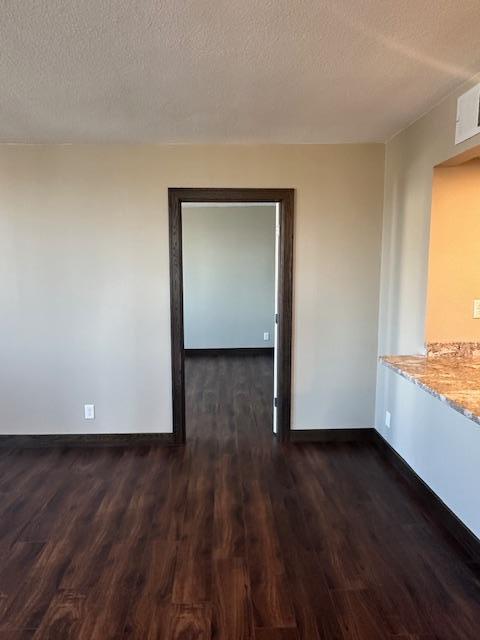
point(285, 199)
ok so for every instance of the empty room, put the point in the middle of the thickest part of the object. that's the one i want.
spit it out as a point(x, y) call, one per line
point(240, 320)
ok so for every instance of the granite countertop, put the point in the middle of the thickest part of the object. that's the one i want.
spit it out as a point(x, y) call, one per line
point(454, 380)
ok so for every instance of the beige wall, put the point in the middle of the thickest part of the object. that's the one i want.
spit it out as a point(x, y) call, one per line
point(85, 288)
point(441, 446)
point(454, 256)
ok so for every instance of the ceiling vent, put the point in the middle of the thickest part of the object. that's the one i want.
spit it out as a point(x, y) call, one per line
point(468, 115)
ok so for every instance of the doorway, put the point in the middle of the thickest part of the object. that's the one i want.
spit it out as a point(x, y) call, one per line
point(283, 201)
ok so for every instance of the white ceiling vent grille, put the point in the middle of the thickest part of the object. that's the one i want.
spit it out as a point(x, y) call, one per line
point(468, 115)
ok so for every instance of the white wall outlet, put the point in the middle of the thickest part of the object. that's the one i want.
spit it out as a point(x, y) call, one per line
point(476, 309)
point(266, 336)
point(388, 419)
point(89, 412)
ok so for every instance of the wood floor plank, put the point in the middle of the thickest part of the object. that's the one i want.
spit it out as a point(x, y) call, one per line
point(107, 605)
point(150, 599)
point(358, 617)
point(193, 576)
point(62, 618)
point(192, 622)
point(232, 611)
point(27, 608)
point(15, 567)
point(228, 519)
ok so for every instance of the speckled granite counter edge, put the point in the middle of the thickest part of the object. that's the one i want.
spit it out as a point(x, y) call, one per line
point(418, 383)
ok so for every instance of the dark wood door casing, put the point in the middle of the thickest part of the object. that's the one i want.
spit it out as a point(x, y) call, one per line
point(285, 199)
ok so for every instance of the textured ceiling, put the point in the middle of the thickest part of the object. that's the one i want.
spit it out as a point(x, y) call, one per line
point(228, 70)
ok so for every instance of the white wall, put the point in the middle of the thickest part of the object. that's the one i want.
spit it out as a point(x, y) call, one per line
point(431, 436)
point(228, 276)
point(84, 285)
point(439, 443)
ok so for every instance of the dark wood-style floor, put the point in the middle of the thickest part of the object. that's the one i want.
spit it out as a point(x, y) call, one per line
point(231, 537)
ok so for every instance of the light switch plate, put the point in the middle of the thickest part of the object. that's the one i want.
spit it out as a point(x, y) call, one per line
point(476, 308)
point(388, 419)
point(266, 336)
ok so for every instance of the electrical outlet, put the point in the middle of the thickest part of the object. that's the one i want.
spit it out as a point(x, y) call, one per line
point(89, 412)
point(388, 419)
point(476, 309)
point(266, 336)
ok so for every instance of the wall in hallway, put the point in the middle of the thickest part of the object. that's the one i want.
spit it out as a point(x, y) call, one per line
point(432, 438)
point(84, 278)
point(228, 276)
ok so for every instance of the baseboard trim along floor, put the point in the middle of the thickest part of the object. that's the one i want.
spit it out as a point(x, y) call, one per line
point(85, 440)
point(234, 351)
point(331, 435)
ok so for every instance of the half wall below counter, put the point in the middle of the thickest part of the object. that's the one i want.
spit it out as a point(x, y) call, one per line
point(453, 380)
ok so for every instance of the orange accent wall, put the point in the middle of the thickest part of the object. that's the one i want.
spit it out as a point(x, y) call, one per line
point(454, 258)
